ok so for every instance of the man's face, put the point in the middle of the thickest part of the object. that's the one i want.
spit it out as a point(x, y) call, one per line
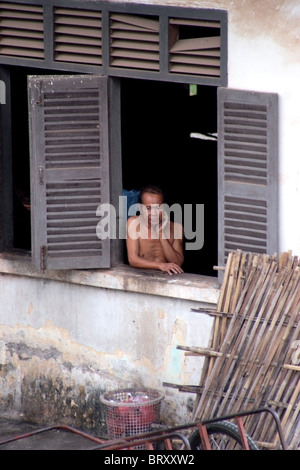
point(152, 208)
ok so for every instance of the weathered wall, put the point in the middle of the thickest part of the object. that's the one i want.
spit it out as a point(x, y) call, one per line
point(62, 345)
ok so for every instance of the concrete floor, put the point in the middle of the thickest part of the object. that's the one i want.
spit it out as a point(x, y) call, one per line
point(53, 439)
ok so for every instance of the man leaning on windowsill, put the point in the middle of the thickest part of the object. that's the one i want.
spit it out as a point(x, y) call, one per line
point(153, 241)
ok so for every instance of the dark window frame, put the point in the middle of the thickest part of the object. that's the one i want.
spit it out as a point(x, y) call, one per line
point(162, 12)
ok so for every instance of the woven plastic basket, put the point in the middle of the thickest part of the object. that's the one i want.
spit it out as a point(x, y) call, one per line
point(131, 411)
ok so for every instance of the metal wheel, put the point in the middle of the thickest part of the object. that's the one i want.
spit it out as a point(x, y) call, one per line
point(222, 436)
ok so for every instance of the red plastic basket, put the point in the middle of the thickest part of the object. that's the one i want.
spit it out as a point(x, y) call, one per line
point(131, 411)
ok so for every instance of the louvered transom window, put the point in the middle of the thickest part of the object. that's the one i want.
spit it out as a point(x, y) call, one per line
point(245, 143)
point(194, 47)
point(78, 36)
point(134, 42)
point(21, 30)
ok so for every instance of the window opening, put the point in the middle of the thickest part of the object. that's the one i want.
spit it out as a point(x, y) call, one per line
point(21, 156)
point(168, 139)
point(20, 160)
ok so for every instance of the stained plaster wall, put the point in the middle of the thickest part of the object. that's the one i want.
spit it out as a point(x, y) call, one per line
point(62, 343)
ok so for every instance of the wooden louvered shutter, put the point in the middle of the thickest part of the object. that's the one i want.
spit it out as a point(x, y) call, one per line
point(200, 52)
point(69, 170)
point(134, 42)
point(21, 30)
point(248, 172)
point(78, 36)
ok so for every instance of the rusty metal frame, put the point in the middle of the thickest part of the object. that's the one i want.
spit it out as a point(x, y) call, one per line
point(166, 434)
point(58, 427)
point(238, 418)
point(129, 442)
point(147, 440)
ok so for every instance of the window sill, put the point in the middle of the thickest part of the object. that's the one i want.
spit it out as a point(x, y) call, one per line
point(194, 287)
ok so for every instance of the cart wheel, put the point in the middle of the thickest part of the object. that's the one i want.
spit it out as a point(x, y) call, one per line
point(222, 436)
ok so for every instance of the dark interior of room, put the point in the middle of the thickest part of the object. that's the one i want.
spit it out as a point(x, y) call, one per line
point(20, 158)
point(157, 120)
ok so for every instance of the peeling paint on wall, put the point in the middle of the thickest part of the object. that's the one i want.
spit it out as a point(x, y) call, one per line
point(173, 357)
point(30, 308)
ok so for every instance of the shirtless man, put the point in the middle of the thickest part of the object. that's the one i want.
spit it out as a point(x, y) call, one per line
point(153, 241)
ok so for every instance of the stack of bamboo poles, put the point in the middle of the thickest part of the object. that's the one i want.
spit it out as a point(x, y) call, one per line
point(253, 360)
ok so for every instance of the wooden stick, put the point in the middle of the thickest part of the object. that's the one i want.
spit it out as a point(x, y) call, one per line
point(199, 351)
point(290, 367)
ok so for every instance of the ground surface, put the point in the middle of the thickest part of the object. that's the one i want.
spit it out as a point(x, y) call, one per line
point(50, 439)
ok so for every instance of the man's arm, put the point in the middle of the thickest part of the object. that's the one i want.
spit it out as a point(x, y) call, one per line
point(173, 252)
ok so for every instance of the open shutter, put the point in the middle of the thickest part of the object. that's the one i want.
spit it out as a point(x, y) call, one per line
point(69, 170)
point(248, 172)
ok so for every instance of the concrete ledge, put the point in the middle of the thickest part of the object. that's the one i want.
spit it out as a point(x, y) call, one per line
point(186, 286)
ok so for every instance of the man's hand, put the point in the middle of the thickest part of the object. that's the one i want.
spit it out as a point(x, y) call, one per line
point(164, 226)
point(170, 268)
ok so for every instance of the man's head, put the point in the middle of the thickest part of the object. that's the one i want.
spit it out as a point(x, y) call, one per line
point(151, 189)
point(151, 199)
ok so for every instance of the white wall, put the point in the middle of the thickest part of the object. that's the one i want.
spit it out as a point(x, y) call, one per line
point(264, 55)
